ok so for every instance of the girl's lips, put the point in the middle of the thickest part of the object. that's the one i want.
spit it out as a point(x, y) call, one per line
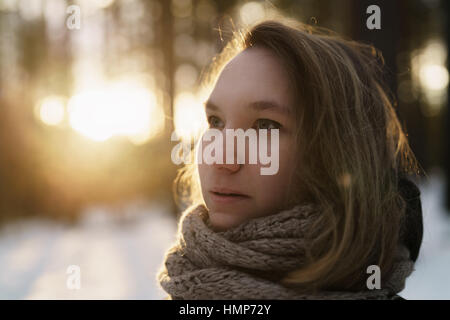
point(227, 198)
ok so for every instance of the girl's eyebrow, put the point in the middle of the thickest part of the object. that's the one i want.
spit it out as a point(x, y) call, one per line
point(269, 105)
point(256, 105)
point(209, 105)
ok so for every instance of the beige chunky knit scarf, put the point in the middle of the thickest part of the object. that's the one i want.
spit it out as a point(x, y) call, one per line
point(245, 262)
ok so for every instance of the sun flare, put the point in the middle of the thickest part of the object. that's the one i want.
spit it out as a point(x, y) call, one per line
point(118, 109)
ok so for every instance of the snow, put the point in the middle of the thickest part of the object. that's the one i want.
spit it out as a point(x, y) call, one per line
point(119, 255)
point(431, 278)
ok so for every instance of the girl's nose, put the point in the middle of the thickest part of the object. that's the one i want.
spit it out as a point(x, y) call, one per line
point(229, 166)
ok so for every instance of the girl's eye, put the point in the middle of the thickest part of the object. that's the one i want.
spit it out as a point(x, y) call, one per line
point(214, 122)
point(267, 124)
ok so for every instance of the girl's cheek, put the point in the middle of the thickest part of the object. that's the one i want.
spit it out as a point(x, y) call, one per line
point(287, 158)
point(202, 173)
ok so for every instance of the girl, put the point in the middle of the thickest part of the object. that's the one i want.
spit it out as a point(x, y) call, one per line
point(339, 220)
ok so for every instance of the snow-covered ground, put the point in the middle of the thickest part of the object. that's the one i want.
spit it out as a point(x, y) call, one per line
point(119, 255)
point(431, 278)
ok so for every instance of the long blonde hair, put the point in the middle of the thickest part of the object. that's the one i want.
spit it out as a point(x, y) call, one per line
point(351, 150)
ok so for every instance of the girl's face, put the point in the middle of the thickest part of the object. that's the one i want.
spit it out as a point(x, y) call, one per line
point(253, 78)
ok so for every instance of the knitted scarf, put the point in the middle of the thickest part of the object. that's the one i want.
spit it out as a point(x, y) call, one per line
point(246, 261)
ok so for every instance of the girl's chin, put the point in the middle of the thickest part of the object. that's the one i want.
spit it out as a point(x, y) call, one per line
point(222, 221)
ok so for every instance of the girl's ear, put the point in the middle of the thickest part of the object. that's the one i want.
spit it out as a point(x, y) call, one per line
point(412, 228)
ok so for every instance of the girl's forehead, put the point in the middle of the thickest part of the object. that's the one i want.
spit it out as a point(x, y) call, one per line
point(254, 74)
point(254, 61)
